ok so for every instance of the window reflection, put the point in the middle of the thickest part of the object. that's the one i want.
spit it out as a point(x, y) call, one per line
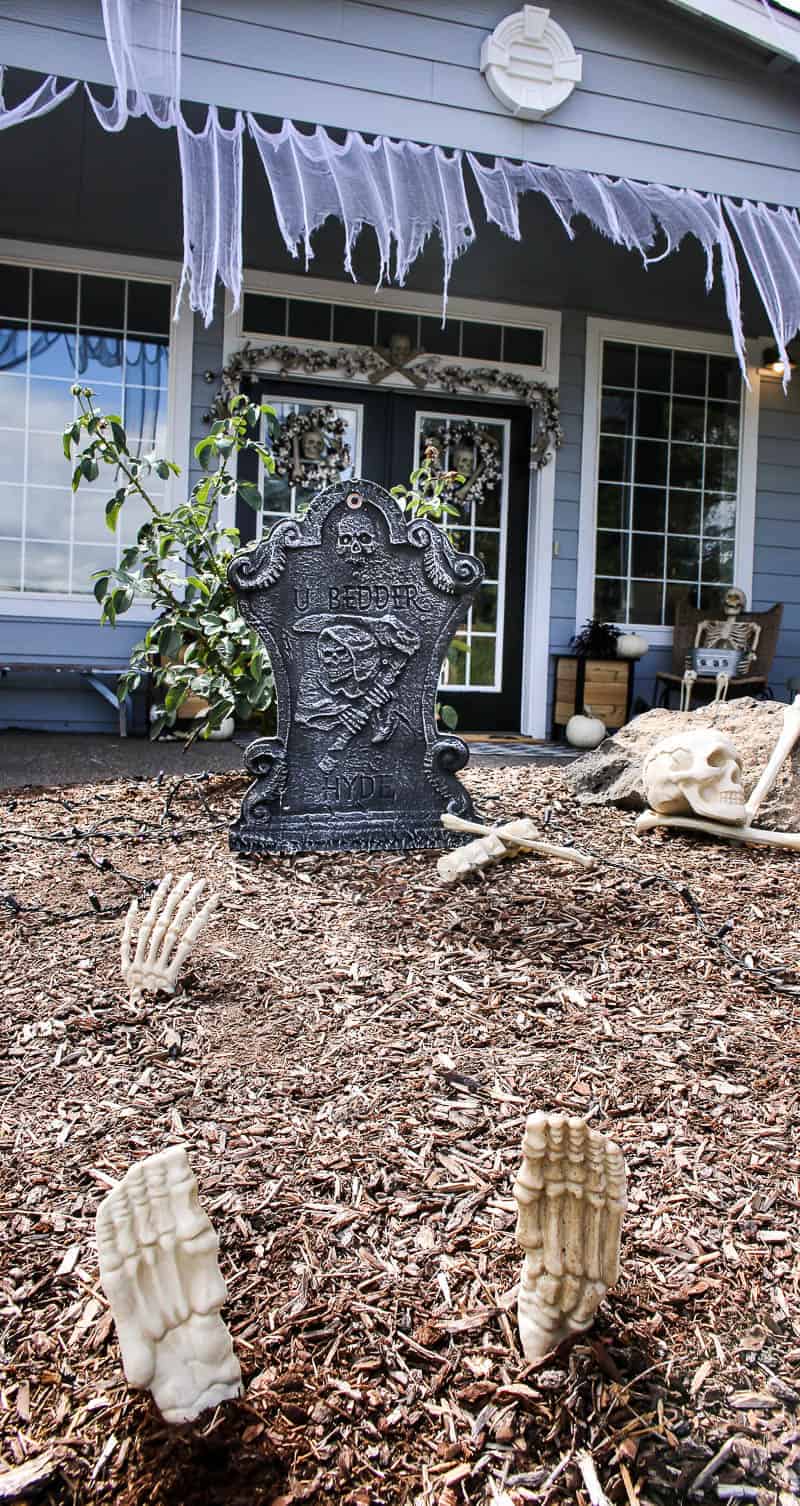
point(60, 327)
point(667, 481)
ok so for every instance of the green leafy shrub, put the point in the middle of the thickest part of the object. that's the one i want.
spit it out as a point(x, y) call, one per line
point(199, 644)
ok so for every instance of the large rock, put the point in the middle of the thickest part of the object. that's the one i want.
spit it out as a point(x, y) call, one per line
point(612, 773)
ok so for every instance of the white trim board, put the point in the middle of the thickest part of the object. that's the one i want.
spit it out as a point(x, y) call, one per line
point(598, 330)
point(777, 32)
point(181, 347)
point(541, 497)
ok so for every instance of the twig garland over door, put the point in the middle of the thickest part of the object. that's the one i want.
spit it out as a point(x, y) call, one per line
point(359, 362)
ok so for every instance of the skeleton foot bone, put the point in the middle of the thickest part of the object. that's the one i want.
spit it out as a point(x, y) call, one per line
point(159, 1270)
point(570, 1193)
point(166, 935)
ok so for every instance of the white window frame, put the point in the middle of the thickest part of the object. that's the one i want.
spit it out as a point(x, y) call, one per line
point(597, 332)
point(43, 604)
point(534, 718)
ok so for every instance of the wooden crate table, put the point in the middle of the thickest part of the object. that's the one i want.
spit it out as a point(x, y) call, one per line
point(604, 684)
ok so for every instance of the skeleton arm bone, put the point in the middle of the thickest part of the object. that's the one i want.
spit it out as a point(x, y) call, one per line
point(757, 835)
point(790, 733)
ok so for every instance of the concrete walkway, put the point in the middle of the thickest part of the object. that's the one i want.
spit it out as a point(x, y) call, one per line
point(48, 759)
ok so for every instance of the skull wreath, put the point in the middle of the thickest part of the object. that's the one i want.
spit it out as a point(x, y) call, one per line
point(357, 538)
point(696, 772)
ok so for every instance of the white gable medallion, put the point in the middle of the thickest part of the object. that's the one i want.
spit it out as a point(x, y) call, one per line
point(530, 63)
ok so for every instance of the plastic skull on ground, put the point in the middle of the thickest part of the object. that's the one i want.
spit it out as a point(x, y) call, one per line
point(696, 772)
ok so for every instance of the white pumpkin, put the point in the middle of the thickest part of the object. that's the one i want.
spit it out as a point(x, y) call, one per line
point(583, 731)
point(631, 646)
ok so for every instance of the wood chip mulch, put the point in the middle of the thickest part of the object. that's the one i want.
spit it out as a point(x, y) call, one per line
point(350, 1061)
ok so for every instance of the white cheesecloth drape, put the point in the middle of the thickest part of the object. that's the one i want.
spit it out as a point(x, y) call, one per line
point(144, 45)
point(404, 192)
point(47, 97)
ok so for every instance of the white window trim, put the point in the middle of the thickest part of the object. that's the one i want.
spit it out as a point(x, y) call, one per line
point(599, 330)
point(67, 259)
point(534, 720)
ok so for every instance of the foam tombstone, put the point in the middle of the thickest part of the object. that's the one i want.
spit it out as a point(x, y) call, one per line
point(356, 605)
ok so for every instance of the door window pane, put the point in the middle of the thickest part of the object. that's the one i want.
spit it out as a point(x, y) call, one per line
point(476, 446)
point(487, 548)
point(71, 325)
point(666, 487)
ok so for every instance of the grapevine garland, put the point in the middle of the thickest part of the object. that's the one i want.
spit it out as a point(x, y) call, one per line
point(354, 361)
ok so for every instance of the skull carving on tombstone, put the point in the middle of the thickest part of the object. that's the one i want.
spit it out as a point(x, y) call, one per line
point(696, 772)
point(356, 538)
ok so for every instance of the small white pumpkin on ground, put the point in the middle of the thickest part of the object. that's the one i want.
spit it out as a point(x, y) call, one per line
point(585, 731)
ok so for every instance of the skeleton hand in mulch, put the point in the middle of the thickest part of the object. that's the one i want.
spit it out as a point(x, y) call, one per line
point(570, 1193)
point(159, 1270)
point(167, 934)
point(496, 843)
point(693, 781)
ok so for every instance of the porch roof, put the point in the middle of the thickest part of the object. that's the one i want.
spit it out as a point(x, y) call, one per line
point(404, 192)
point(768, 24)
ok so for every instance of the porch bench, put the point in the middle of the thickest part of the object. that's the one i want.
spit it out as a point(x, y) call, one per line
point(93, 674)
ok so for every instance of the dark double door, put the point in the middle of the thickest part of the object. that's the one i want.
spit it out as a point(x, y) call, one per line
point(386, 432)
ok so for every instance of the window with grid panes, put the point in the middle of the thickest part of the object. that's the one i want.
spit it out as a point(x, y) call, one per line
point(667, 480)
point(56, 328)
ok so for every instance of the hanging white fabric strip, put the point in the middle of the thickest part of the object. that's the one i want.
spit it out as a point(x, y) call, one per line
point(405, 192)
point(40, 102)
point(211, 168)
point(144, 45)
point(628, 213)
point(770, 240)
